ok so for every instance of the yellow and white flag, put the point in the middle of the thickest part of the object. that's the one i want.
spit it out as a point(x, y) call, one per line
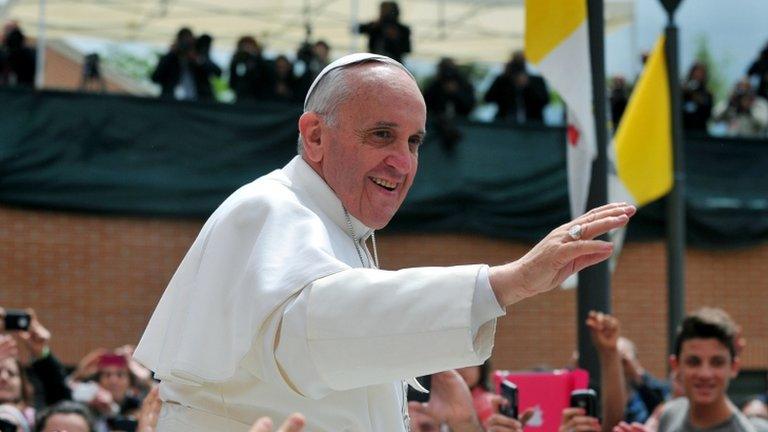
point(557, 42)
point(642, 147)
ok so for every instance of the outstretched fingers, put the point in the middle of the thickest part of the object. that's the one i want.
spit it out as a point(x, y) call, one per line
point(611, 209)
point(585, 252)
point(601, 225)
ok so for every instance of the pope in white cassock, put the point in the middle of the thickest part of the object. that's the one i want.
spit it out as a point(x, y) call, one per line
point(279, 307)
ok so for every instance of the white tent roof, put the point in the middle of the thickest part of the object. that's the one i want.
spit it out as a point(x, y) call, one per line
point(479, 30)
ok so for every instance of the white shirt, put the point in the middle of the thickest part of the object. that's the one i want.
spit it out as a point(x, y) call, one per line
point(271, 313)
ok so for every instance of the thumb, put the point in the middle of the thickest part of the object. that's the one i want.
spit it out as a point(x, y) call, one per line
point(526, 416)
point(497, 402)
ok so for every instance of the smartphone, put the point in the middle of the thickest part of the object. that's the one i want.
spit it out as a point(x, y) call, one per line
point(122, 423)
point(585, 399)
point(509, 392)
point(16, 319)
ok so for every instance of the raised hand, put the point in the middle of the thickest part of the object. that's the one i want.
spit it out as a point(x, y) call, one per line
point(8, 347)
point(150, 411)
point(37, 337)
point(604, 330)
point(563, 252)
point(575, 420)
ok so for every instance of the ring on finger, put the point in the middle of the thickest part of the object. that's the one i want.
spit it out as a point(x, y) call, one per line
point(575, 232)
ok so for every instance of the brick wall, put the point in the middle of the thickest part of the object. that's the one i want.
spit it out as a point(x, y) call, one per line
point(94, 281)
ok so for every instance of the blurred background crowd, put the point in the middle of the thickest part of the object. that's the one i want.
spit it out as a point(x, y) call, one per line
point(187, 71)
point(108, 391)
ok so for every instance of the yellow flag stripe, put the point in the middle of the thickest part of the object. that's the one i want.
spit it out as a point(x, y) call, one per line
point(644, 137)
point(548, 23)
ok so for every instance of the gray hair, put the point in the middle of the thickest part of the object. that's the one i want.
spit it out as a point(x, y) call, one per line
point(331, 87)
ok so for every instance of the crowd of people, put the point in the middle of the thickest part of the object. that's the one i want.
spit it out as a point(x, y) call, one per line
point(744, 113)
point(186, 70)
point(109, 391)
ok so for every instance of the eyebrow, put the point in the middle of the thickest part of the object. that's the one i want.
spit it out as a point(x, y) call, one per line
point(420, 132)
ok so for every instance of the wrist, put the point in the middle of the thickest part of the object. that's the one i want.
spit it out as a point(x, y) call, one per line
point(507, 283)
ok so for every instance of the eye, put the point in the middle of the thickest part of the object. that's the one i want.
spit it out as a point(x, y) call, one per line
point(384, 134)
point(414, 143)
point(718, 361)
point(693, 361)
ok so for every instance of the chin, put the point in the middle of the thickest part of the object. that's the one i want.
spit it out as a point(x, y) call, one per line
point(705, 399)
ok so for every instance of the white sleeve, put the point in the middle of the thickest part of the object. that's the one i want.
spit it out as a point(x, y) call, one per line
point(362, 327)
point(485, 306)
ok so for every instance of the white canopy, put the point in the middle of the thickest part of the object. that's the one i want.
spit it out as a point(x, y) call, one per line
point(479, 30)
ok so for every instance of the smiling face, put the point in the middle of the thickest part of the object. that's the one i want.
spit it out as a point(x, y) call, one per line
point(116, 380)
point(705, 367)
point(10, 381)
point(369, 154)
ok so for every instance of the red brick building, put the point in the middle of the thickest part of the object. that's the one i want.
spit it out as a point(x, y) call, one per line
point(95, 280)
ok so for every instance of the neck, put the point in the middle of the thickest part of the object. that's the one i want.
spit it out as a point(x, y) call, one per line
point(706, 416)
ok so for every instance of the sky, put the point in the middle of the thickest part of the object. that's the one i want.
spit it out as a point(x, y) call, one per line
point(734, 31)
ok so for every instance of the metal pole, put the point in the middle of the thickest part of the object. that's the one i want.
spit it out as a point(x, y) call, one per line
point(354, 23)
point(676, 199)
point(40, 54)
point(594, 292)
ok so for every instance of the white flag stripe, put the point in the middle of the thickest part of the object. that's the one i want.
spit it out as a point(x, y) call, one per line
point(568, 70)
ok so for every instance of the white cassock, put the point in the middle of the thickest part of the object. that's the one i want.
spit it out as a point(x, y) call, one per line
point(273, 311)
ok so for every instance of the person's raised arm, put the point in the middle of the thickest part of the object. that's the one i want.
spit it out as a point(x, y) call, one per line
point(604, 330)
point(564, 251)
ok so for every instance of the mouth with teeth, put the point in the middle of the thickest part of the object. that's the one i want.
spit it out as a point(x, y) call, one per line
point(389, 186)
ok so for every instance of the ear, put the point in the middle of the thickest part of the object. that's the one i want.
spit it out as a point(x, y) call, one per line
point(310, 128)
point(673, 362)
point(735, 366)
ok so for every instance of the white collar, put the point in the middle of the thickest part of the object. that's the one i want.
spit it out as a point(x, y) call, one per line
point(323, 197)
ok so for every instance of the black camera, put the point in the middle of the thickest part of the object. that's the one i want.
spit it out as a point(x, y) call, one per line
point(585, 399)
point(16, 319)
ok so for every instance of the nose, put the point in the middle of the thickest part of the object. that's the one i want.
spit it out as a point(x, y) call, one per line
point(401, 158)
point(706, 371)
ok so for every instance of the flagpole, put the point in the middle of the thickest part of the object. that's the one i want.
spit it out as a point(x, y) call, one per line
point(594, 291)
point(676, 199)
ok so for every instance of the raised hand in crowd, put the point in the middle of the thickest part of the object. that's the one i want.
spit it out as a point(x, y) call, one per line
point(500, 423)
point(37, 337)
point(88, 365)
point(576, 420)
point(604, 331)
point(150, 411)
point(450, 402)
point(294, 423)
point(8, 347)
